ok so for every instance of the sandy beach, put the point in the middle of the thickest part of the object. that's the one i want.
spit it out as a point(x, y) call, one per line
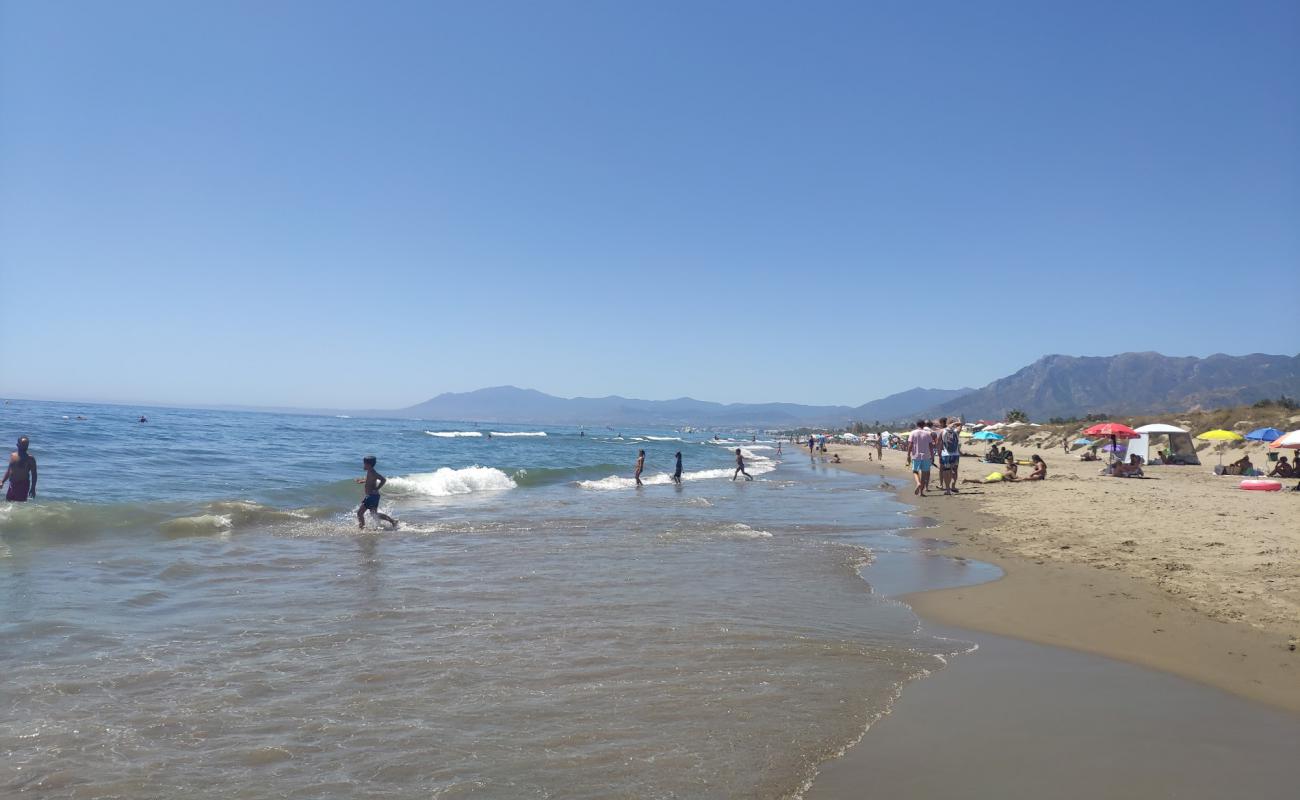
point(1182, 571)
point(1173, 667)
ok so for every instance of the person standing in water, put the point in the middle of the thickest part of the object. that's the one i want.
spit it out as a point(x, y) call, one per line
point(677, 471)
point(640, 465)
point(370, 502)
point(740, 467)
point(21, 474)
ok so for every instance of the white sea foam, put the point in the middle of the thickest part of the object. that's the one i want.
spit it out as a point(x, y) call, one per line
point(203, 523)
point(736, 530)
point(447, 482)
point(758, 467)
point(665, 438)
point(519, 433)
point(454, 434)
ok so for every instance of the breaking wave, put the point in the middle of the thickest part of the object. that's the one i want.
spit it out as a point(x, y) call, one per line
point(454, 434)
point(518, 433)
point(448, 482)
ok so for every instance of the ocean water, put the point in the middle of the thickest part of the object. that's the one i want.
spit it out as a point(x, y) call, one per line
point(188, 609)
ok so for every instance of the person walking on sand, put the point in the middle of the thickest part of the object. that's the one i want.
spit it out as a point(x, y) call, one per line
point(677, 471)
point(370, 502)
point(740, 467)
point(880, 448)
point(949, 455)
point(920, 449)
point(21, 474)
point(640, 465)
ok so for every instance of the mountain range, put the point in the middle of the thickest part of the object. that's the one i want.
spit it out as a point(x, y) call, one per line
point(529, 406)
point(1052, 386)
point(1129, 383)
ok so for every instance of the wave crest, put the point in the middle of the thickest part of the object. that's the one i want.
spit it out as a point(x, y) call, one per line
point(447, 482)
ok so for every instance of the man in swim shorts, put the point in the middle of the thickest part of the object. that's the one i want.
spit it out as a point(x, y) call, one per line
point(920, 449)
point(640, 465)
point(949, 454)
point(677, 472)
point(740, 467)
point(21, 474)
point(370, 502)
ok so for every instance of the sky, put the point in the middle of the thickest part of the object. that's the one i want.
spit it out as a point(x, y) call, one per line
point(362, 205)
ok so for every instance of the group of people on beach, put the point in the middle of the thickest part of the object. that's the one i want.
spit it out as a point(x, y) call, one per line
point(929, 440)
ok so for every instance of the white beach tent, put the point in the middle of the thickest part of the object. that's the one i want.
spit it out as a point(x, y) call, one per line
point(1180, 443)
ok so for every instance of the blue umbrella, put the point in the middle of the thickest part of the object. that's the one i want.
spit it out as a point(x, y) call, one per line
point(986, 435)
point(1264, 434)
point(1084, 442)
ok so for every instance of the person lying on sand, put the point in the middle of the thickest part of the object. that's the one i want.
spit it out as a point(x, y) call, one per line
point(1089, 455)
point(1040, 470)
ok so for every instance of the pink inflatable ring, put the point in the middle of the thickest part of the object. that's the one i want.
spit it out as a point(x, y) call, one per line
point(1262, 486)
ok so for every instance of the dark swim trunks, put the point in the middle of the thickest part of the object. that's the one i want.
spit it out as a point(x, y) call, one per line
point(18, 491)
point(371, 502)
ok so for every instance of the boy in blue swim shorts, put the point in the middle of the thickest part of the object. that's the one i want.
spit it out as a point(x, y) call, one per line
point(920, 448)
point(373, 482)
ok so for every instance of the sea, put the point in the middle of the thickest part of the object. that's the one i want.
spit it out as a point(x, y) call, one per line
point(188, 609)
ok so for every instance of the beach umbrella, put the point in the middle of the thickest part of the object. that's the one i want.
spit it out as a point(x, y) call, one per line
point(1289, 440)
point(988, 436)
point(1114, 448)
point(1114, 430)
point(1264, 434)
point(965, 434)
point(1083, 442)
point(1220, 436)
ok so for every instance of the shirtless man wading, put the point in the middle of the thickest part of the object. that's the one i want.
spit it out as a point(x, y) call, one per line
point(21, 475)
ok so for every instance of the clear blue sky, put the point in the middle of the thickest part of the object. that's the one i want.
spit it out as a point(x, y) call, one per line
point(366, 204)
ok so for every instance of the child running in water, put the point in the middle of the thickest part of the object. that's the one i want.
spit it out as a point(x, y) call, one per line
point(373, 482)
point(740, 467)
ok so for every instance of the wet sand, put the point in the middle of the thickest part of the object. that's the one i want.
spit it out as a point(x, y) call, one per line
point(1070, 693)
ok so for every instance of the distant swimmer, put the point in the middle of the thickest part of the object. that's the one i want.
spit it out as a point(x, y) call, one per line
point(640, 465)
point(740, 467)
point(21, 474)
point(142, 419)
point(582, 433)
point(373, 482)
point(778, 448)
point(677, 471)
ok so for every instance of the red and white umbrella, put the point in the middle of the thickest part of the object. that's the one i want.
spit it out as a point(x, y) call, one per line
point(1290, 440)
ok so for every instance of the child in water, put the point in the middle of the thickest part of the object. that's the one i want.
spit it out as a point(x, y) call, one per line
point(373, 482)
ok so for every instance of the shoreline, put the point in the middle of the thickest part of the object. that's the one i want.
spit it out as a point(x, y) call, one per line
point(1084, 608)
point(1061, 682)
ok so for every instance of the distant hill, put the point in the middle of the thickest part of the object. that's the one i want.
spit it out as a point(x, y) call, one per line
point(905, 404)
point(1129, 383)
point(515, 405)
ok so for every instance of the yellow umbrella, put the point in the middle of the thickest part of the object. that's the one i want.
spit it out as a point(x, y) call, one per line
point(965, 434)
point(1221, 436)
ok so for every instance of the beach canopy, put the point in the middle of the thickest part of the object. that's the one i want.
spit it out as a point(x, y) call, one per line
point(988, 436)
point(1159, 427)
point(1290, 440)
point(1116, 429)
point(1220, 436)
point(1264, 434)
point(1180, 450)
